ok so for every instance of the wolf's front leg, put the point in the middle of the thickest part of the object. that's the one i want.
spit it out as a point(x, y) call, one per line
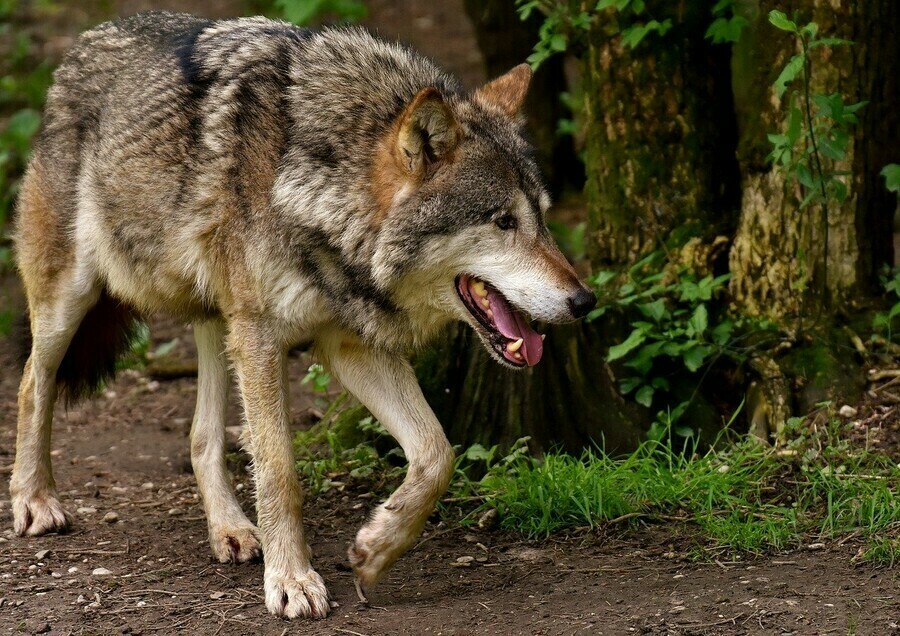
point(386, 384)
point(292, 587)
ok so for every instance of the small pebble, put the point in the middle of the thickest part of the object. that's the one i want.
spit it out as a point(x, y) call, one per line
point(148, 485)
point(216, 595)
point(174, 512)
point(41, 555)
point(110, 517)
point(465, 559)
point(101, 572)
point(816, 546)
point(847, 411)
point(488, 520)
point(86, 510)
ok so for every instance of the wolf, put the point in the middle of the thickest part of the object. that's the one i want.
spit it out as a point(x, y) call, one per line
point(272, 186)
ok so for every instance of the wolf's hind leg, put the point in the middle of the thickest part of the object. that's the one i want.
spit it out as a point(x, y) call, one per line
point(231, 535)
point(387, 385)
point(54, 321)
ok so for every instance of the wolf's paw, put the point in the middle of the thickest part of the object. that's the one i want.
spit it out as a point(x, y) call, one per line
point(302, 596)
point(34, 515)
point(235, 544)
point(377, 547)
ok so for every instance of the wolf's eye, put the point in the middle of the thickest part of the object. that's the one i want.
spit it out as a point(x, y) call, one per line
point(507, 222)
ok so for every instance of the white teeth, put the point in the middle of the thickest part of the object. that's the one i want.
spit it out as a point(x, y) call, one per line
point(517, 356)
point(543, 336)
point(478, 288)
point(512, 347)
point(485, 303)
point(490, 314)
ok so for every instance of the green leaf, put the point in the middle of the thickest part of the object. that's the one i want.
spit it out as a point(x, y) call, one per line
point(721, 6)
point(891, 174)
point(721, 333)
point(694, 357)
point(839, 188)
point(642, 361)
point(628, 385)
point(699, 320)
point(895, 310)
point(644, 397)
point(724, 30)
point(789, 73)
point(810, 30)
point(804, 176)
point(834, 147)
point(813, 194)
point(634, 34)
point(558, 42)
point(684, 431)
point(477, 452)
point(780, 21)
point(525, 9)
point(635, 339)
point(794, 120)
point(655, 310)
point(829, 42)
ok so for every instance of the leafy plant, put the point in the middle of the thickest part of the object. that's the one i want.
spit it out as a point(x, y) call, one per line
point(883, 322)
point(303, 12)
point(817, 131)
point(727, 25)
point(891, 174)
point(566, 21)
point(742, 496)
point(673, 320)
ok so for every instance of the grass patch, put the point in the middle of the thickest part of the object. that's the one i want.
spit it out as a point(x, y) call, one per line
point(744, 496)
point(739, 495)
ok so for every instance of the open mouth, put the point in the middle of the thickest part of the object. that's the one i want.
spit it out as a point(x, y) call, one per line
point(508, 331)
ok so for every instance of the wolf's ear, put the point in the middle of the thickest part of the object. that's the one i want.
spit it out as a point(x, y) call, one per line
point(427, 134)
point(507, 92)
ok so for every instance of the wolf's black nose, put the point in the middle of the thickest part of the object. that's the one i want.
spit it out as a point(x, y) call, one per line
point(582, 302)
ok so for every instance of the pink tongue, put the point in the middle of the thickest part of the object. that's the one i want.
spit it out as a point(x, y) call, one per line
point(511, 324)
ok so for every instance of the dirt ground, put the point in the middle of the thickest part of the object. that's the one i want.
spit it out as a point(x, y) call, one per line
point(138, 561)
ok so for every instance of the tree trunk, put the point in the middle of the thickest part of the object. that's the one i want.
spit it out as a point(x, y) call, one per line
point(660, 137)
point(779, 254)
point(786, 265)
point(658, 163)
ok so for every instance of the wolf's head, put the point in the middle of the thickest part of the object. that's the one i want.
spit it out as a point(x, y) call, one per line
point(461, 220)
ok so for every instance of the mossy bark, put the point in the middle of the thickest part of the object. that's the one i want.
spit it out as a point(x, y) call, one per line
point(785, 265)
point(660, 136)
point(779, 254)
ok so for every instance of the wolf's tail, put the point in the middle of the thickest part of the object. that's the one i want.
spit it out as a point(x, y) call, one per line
point(107, 331)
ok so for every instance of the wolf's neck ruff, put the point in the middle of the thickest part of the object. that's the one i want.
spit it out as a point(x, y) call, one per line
point(512, 335)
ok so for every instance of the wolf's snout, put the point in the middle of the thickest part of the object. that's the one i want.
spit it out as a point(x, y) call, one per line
point(582, 302)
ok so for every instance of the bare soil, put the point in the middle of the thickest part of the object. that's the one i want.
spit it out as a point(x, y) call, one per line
point(126, 452)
